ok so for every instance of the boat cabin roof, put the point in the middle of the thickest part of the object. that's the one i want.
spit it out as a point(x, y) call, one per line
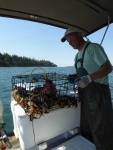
point(88, 15)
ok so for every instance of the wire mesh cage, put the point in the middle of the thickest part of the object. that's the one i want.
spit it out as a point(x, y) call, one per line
point(44, 90)
point(49, 83)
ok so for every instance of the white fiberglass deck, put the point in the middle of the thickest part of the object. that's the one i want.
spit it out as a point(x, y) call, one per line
point(76, 143)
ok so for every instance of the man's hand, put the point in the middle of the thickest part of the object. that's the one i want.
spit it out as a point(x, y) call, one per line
point(71, 78)
point(83, 81)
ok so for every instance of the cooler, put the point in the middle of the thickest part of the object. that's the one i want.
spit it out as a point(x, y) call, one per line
point(45, 128)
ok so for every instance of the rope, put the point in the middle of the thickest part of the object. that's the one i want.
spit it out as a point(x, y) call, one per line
point(45, 75)
point(34, 136)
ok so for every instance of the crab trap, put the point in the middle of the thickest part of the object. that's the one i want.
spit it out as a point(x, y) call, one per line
point(40, 93)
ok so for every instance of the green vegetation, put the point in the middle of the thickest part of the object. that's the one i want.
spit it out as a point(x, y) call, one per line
point(7, 60)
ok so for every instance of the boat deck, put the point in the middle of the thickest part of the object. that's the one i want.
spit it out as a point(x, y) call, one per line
point(78, 143)
point(14, 142)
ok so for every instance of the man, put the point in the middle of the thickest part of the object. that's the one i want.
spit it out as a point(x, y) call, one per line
point(92, 69)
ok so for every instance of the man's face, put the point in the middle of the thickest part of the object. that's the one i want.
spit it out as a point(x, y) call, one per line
point(74, 40)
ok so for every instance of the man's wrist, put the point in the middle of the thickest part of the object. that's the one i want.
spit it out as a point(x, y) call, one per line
point(89, 78)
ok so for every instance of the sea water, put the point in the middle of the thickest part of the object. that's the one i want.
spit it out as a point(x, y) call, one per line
point(6, 74)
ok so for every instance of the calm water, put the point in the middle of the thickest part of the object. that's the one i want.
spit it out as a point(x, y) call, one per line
point(6, 85)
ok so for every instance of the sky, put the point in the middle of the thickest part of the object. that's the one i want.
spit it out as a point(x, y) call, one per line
point(43, 42)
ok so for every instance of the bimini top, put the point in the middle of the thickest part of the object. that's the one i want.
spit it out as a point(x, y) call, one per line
point(88, 15)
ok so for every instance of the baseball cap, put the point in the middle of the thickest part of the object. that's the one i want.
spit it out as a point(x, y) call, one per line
point(69, 31)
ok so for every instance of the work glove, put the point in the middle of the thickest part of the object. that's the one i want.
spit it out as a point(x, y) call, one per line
point(71, 78)
point(83, 81)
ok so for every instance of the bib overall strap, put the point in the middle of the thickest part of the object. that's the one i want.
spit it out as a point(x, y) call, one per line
point(81, 59)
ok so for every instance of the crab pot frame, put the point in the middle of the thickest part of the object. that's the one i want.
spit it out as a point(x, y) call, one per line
point(41, 93)
point(49, 83)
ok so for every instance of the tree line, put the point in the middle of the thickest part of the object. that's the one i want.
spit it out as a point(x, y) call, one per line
point(7, 60)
